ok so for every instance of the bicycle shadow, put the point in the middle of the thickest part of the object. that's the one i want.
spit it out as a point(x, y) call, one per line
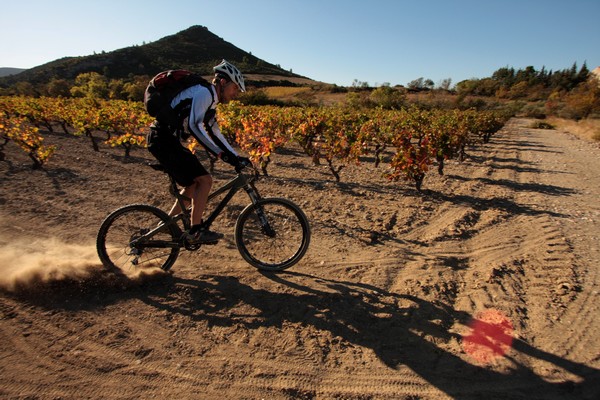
point(393, 326)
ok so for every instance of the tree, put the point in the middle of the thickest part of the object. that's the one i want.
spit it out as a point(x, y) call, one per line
point(505, 77)
point(134, 90)
point(519, 90)
point(359, 99)
point(388, 98)
point(25, 89)
point(91, 85)
point(416, 84)
point(583, 100)
point(117, 89)
point(356, 84)
point(477, 87)
point(584, 73)
point(445, 84)
point(529, 76)
point(421, 83)
point(58, 88)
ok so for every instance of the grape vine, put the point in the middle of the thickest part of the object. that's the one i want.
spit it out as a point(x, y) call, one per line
point(416, 138)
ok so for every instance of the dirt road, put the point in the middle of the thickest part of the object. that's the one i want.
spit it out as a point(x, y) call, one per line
point(484, 286)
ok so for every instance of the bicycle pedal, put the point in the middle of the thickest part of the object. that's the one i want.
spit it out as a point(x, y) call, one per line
point(196, 245)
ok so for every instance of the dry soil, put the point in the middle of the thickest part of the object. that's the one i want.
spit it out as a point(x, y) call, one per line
point(483, 286)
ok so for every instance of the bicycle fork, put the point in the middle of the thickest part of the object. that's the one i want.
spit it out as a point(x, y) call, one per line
point(260, 211)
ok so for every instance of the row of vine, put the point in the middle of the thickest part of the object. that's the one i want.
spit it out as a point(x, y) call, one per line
point(417, 138)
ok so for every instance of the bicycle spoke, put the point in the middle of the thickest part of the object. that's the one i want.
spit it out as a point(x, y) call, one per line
point(121, 243)
point(273, 235)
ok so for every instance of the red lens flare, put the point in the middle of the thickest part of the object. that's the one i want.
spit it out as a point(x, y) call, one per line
point(490, 338)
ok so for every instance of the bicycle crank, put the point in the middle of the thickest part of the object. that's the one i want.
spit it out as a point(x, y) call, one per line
point(189, 246)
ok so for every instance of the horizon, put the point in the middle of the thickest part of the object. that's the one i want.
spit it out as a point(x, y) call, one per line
point(334, 42)
point(594, 70)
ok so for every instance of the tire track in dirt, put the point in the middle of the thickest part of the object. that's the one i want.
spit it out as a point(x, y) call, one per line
point(456, 257)
point(513, 255)
point(67, 355)
point(573, 164)
point(545, 267)
point(377, 309)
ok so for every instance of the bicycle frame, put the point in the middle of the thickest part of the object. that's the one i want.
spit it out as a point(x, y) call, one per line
point(241, 181)
point(233, 186)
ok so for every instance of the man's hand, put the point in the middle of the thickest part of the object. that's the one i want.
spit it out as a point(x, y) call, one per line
point(239, 163)
point(244, 162)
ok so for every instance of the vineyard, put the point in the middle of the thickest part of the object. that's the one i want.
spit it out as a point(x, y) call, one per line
point(416, 139)
point(485, 285)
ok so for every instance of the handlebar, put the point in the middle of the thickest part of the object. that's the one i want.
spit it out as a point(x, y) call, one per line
point(255, 172)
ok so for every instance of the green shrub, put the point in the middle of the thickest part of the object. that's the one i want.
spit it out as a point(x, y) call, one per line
point(534, 110)
point(542, 125)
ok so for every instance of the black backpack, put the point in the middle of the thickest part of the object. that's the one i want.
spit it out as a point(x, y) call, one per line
point(163, 88)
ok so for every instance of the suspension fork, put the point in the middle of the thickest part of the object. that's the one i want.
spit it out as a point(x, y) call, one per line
point(252, 192)
point(260, 212)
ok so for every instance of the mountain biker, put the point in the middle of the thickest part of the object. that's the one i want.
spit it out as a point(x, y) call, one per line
point(196, 109)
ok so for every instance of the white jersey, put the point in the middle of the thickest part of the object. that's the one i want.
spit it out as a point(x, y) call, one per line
point(208, 134)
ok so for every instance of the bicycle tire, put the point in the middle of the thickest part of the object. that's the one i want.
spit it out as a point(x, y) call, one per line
point(280, 244)
point(119, 230)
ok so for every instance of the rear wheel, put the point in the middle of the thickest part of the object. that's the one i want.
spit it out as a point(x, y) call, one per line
point(272, 234)
point(138, 236)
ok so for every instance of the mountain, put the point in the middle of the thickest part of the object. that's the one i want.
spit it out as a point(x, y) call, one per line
point(195, 48)
point(7, 71)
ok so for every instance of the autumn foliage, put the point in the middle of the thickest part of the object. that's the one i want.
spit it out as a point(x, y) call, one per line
point(413, 139)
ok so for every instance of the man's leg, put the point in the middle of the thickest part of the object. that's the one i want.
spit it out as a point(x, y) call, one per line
point(202, 186)
point(199, 233)
point(187, 192)
point(198, 193)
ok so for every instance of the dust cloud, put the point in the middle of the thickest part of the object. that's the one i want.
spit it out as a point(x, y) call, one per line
point(28, 265)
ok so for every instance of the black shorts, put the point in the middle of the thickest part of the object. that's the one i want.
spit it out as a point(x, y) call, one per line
point(179, 161)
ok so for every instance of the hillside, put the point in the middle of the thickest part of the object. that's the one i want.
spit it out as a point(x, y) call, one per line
point(6, 71)
point(195, 48)
point(484, 286)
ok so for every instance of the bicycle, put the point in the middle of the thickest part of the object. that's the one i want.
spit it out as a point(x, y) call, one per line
point(271, 234)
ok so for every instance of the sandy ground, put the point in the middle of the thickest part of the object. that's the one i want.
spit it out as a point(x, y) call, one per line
point(484, 286)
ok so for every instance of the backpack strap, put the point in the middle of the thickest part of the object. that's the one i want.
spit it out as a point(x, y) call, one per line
point(182, 109)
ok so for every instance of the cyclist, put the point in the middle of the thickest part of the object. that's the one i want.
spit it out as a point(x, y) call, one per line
point(196, 108)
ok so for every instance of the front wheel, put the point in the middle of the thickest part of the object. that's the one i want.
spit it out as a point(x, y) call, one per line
point(138, 236)
point(272, 234)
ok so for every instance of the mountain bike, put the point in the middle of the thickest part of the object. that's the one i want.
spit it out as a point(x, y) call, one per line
point(271, 234)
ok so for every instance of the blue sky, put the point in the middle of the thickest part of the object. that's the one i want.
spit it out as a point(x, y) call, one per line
point(332, 41)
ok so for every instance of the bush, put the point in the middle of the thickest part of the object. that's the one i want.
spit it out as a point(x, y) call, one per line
point(583, 100)
point(388, 98)
point(534, 110)
point(542, 125)
point(258, 97)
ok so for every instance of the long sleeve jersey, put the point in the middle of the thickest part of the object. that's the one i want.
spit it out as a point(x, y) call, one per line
point(206, 131)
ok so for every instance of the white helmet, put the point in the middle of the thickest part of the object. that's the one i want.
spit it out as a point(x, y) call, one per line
point(232, 72)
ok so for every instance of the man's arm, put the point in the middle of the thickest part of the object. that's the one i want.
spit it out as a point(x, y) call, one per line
point(202, 101)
